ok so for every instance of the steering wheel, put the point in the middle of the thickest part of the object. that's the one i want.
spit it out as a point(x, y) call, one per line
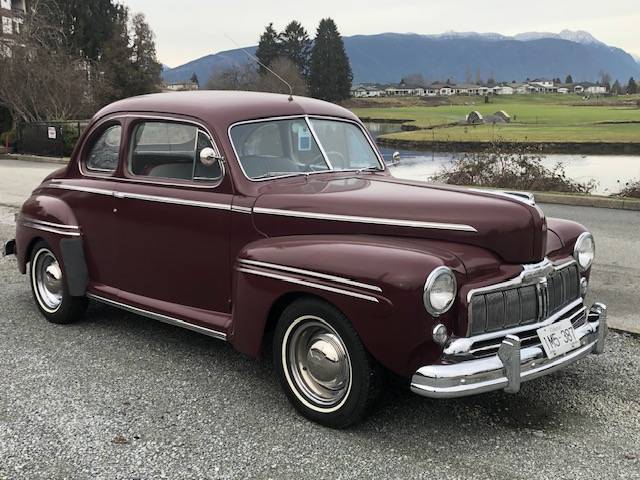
point(329, 153)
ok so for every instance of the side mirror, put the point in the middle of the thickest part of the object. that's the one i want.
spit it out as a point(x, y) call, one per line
point(208, 156)
point(396, 157)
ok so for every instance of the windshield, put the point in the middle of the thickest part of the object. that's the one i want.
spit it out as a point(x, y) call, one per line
point(275, 148)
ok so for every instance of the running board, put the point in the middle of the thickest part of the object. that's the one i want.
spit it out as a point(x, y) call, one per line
point(161, 318)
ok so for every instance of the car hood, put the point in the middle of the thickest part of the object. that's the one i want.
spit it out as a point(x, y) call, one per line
point(383, 205)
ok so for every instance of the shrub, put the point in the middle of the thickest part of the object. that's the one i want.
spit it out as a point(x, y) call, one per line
point(8, 138)
point(631, 189)
point(521, 171)
point(70, 135)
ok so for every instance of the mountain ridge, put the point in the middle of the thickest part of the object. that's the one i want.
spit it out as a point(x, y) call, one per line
point(387, 57)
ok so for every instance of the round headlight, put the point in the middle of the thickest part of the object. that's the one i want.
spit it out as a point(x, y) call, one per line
point(584, 250)
point(439, 291)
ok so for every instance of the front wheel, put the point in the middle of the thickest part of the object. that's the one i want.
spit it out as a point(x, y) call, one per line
point(322, 365)
point(49, 287)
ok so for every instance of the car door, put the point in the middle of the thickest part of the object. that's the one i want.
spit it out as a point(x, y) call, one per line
point(173, 214)
point(89, 194)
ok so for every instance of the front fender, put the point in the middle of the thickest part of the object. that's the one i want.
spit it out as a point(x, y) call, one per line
point(377, 282)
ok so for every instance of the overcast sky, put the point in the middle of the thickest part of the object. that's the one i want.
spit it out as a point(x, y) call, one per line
point(188, 29)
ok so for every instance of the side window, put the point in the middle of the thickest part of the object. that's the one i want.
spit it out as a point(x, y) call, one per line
point(103, 156)
point(172, 151)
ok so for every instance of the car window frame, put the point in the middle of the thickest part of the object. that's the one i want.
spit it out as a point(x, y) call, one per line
point(93, 136)
point(307, 118)
point(127, 175)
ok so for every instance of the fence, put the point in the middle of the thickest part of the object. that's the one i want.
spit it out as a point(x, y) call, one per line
point(51, 139)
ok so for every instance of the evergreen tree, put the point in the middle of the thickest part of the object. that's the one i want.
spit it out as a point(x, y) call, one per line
point(85, 25)
point(330, 74)
point(115, 72)
point(268, 47)
point(569, 79)
point(144, 63)
point(632, 86)
point(296, 46)
point(194, 79)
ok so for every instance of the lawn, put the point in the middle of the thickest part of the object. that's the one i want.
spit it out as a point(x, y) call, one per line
point(535, 118)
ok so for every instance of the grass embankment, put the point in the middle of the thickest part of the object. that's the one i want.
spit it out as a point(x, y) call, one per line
point(535, 119)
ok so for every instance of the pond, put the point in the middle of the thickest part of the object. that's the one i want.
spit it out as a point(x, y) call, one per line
point(610, 171)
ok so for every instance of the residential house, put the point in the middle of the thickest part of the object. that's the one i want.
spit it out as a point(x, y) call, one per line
point(180, 86)
point(11, 16)
point(366, 91)
point(504, 89)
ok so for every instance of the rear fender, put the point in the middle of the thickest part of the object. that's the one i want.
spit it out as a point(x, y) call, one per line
point(47, 218)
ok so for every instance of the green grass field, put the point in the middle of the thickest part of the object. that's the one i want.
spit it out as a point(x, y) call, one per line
point(535, 118)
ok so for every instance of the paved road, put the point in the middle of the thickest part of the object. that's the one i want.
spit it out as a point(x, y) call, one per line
point(118, 396)
point(616, 274)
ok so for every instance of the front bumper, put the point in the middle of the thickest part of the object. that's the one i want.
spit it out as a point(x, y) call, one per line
point(510, 366)
point(9, 248)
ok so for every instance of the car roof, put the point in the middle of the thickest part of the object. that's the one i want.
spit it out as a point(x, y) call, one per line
point(221, 109)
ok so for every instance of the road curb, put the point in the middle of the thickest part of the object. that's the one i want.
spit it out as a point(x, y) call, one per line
point(34, 158)
point(620, 203)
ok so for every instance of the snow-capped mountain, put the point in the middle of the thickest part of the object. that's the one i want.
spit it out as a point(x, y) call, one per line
point(577, 36)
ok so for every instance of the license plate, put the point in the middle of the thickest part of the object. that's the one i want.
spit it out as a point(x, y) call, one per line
point(558, 338)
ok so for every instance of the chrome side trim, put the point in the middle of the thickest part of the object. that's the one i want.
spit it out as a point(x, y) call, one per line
point(137, 196)
point(310, 273)
point(24, 218)
point(161, 318)
point(44, 228)
point(172, 200)
point(523, 197)
point(78, 188)
point(370, 220)
point(297, 281)
point(239, 209)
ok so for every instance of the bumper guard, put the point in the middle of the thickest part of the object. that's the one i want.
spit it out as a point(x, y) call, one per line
point(510, 366)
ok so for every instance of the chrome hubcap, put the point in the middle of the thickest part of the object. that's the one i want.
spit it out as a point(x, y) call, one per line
point(318, 362)
point(47, 277)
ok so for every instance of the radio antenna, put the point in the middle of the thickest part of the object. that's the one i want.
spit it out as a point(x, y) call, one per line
point(255, 59)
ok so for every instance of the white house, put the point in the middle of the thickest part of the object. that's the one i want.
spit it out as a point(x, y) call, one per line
point(181, 86)
point(503, 90)
point(596, 90)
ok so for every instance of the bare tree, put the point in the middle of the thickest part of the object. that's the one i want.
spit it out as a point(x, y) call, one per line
point(238, 77)
point(247, 77)
point(287, 70)
point(40, 80)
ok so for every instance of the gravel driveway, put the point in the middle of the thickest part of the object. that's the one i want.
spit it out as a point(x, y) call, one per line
point(118, 396)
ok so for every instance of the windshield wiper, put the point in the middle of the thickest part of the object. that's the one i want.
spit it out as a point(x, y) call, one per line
point(277, 175)
point(374, 168)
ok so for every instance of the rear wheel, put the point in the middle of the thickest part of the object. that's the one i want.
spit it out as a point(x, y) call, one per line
point(49, 287)
point(322, 365)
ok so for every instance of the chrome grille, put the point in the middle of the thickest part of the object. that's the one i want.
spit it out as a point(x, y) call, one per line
point(493, 310)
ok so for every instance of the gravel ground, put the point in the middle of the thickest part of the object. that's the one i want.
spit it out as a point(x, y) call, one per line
point(118, 396)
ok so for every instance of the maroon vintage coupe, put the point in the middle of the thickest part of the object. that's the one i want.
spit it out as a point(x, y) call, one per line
point(254, 216)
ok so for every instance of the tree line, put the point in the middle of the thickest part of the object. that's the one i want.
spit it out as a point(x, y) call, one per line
point(319, 68)
point(74, 56)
